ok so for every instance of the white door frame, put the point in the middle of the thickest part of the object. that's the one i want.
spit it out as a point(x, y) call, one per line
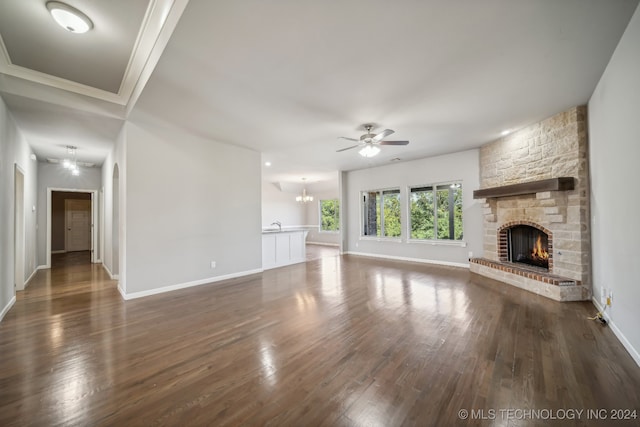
point(19, 230)
point(94, 220)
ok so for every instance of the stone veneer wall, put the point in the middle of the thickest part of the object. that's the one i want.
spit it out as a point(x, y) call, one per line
point(555, 147)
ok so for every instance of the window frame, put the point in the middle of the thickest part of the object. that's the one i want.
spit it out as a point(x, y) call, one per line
point(382, 237)
point(320, 230)
point(435, 240)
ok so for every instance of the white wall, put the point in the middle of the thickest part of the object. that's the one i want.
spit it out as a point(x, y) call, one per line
point(281, 206)
point(614, 129)
point(313, 219)
point(189, 201)
point(462, 166)
point(52, 175)
point(14, 149)
point(115, 157)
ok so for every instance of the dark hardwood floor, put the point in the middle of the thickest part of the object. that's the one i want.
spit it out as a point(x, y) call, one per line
point(338, 341)
point(321, 251)
point(70, 258)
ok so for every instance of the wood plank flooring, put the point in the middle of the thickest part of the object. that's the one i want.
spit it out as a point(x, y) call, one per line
point(337, 341)
point(321, 251)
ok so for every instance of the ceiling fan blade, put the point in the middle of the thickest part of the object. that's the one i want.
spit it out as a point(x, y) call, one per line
point(348, 148)
point(348, 139)
point(394, 142)
point(385, 133)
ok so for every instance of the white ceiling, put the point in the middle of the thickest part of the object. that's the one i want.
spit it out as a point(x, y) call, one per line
point(287, 78)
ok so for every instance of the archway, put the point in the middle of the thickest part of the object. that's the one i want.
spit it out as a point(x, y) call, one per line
point(19, 233)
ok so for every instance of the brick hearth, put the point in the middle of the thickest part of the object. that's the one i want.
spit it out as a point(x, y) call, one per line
point(531, 279)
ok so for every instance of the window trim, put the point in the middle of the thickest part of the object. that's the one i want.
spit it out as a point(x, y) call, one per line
point(382, 237)
point(435, 240)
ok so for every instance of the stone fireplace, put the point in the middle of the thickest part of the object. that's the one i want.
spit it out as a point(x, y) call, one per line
point(535, 194)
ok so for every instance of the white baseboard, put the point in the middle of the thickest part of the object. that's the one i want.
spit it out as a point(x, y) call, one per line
point(59, 252)
point(26, 282)
point(420, 260)
point(335, 245)
point(170, 288)
point(6, 309)
point(111, 275)
point(618, 333)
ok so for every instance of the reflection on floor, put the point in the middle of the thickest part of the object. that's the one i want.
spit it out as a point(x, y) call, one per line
point(337, 341)
point(321, 251)
point(70, 258)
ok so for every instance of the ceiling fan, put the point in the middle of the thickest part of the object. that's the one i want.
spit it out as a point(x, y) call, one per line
point(370, 141)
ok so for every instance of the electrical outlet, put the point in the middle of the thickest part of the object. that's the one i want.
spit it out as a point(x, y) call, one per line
point(213, 264)
point(609, 296)
point(603, 295)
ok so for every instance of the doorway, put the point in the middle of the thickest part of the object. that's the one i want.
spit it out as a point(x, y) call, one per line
point(19, 228)
point(70, 226)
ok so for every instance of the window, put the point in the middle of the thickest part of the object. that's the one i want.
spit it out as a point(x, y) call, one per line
point(436, 212)
point(330, 215)
point(381, 213)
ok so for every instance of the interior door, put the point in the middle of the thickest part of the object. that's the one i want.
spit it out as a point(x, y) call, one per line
point(78, 225)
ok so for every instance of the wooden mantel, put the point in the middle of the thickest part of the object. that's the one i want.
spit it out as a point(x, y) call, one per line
point(553, 184)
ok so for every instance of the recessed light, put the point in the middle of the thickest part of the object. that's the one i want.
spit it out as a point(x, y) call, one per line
point(267, 164)
point(69, 18)
point(505, 132)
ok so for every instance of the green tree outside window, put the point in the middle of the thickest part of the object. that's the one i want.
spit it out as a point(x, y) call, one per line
point(330, 215)
point(435, 212)
point(381, 213)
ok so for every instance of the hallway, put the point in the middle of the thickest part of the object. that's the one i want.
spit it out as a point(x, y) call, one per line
point(335, 341)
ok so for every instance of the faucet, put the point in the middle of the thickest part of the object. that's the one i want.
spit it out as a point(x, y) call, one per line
point(278, 223)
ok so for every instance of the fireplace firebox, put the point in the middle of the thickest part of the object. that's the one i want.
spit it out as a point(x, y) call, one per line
point(528, 245)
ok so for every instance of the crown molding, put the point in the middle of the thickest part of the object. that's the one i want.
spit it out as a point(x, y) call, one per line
point(158, 24)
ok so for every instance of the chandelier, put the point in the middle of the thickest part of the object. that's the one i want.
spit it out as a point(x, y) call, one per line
point(69, 164)
point(304, 198)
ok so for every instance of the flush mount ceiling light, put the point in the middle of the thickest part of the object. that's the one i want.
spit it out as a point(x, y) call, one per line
point(69, 18)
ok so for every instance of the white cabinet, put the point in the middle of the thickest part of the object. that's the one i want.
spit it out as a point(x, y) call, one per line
point(283, 248)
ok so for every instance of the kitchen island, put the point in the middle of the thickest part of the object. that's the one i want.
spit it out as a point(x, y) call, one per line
point(283, 247)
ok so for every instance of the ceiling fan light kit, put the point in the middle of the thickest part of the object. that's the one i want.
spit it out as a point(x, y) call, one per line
point(69, 18)
point(369, 142)
point(369, 151)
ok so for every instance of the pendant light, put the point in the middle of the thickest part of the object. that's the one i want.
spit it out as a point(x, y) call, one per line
point(72, 165)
